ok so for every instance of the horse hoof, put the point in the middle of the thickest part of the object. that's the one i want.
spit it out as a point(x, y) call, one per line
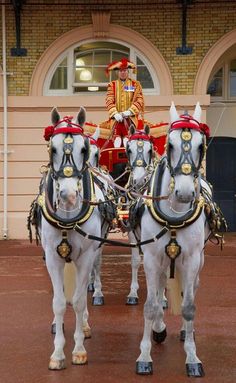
point(165, 304)
point(80, 358)
point(57, 364)
point(182, 335)
point(91, 288)
point(87, 332)
point(144, 368)
point(195, 369)
point(159, 337)
point(132, 301)
point(98, 301)
point(53, 328)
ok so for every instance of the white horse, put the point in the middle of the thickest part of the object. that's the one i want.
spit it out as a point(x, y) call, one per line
point(141, 157)
point(65, 204)
point(182, 246)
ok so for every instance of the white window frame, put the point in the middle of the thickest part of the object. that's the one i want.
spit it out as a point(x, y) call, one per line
point(69, 54)
point(224, 63)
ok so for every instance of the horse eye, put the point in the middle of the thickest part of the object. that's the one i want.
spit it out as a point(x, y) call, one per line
point(170, 146)
point(83, 150)
point(54, 150)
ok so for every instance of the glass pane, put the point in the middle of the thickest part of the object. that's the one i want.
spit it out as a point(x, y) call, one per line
point(233, 78)
point(84, 59)
point(85, 75)
point(139, 62)
point(116, 56)
point(99, 75)
point(102, 58)
point(59, 80)
point(145, 78)
point(215, 88)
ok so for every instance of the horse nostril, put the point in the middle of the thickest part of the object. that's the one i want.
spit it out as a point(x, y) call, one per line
point(176, 193)
point(63, 194)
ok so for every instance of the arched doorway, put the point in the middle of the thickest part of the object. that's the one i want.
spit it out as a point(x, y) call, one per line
point(221, 173)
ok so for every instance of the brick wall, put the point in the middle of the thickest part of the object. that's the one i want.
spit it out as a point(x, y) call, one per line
point(160, 23)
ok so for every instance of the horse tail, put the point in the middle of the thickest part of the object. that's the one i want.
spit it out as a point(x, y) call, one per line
point(69, 281)
point(174, 287)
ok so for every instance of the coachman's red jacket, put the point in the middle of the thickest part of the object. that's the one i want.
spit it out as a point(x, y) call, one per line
point(122, 96)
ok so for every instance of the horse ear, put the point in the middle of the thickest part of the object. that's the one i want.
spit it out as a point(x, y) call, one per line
point(147, 129)
point(197, 112)
point(131, 129)
point(173, 113)
point(96, 134)
point(81, 116)
point(55, 116)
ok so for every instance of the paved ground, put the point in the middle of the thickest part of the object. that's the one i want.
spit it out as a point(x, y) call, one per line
point(25, 317)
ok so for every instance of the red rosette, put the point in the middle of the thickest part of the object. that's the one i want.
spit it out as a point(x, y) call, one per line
point(205, 129)
point(48, 132)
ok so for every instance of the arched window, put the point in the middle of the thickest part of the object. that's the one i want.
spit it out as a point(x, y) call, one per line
point(83, 69)
point(222, 83)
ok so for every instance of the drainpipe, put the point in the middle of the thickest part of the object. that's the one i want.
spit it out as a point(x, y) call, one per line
point(5, 149)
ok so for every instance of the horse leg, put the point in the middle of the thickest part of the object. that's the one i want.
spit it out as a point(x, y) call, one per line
point(83, 268)
point(98, 298)
point(132, 298)
point(193, 363)
point(159, 328)
point(91, 281)
point(57, 360)
point(151, 310)
point(86, 327)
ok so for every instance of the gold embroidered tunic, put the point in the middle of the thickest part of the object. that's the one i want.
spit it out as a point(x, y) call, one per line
point(125, 95)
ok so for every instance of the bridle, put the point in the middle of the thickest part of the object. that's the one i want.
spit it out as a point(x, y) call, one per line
point(139, 161)
point(68, 167)
point(186, 165)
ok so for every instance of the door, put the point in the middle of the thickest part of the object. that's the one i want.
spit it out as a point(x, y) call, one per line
point(221, 173)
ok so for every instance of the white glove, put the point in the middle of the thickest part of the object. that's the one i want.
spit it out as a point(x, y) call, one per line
point(127, 113)
point(118, 117)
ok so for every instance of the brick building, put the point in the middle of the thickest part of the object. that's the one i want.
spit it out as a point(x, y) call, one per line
point(54, 53)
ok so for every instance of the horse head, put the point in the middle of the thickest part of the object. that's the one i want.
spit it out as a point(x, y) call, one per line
point(94, 153)
point(185, 152)
point(68, 151)
point(139, 150)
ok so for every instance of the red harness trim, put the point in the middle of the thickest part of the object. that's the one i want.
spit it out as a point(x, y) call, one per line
point(190, 123)
point(140, 135)
point(52, 130)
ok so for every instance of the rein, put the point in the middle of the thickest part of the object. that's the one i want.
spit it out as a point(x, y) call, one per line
point(163, 231)
point(135, 194)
